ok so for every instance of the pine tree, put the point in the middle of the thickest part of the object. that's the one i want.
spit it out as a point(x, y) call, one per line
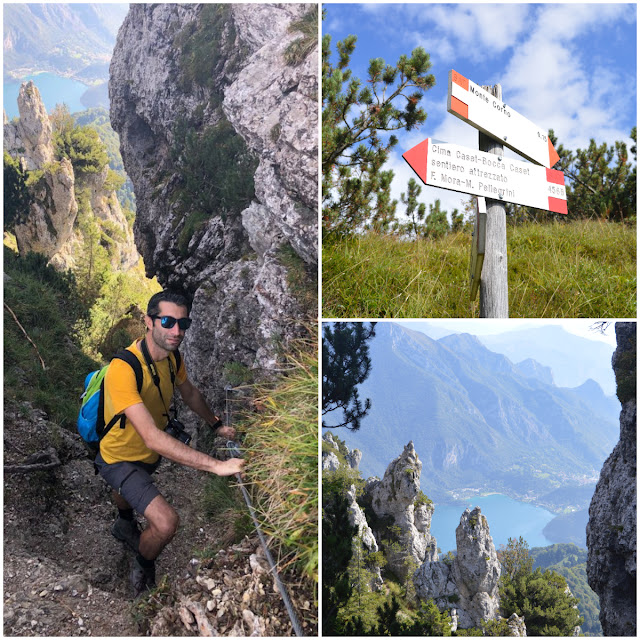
point(345, 365)
point(355, 122)
point(602, 180)
point(457, 220)
point(541, 597)
point(437, 224)
point(337, 550)
point(414, 211)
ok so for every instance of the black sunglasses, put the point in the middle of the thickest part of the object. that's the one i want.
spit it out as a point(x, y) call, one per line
point(168, 322)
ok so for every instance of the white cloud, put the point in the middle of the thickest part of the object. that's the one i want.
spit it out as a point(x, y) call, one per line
point(478, 29)
point(551, 81)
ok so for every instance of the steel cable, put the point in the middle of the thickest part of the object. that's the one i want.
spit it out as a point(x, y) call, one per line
point(281, 588)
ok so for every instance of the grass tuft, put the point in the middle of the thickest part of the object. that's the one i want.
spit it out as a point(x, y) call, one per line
point(282, 459)
point(584, 269)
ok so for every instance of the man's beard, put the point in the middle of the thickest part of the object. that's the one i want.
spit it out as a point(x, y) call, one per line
point(167, 342)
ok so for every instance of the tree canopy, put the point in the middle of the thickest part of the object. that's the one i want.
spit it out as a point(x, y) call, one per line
point(542, 597)
point(80, 144)
point(345, 365)
point(357, 119)
point(602, 179)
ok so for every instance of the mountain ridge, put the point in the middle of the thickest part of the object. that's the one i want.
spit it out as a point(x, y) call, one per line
point(534, 436)
point(62, 38)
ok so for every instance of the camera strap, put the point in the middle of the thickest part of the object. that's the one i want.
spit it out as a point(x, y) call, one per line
point(153, 370)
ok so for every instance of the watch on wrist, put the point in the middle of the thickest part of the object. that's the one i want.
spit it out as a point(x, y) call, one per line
point(216, 425)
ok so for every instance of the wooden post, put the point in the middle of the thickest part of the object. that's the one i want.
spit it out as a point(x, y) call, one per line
point(494, 291)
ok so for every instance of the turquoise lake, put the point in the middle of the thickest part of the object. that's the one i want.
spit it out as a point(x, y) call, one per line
point(507, 518)
point(53, 89)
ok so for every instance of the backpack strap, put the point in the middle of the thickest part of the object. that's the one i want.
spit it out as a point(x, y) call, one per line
point(132, 360)
point(178, 358)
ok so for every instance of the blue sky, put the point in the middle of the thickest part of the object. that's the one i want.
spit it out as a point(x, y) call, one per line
point(569, 67)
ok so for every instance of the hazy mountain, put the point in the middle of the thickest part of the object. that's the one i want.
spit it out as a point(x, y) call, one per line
point(570, 357)
point(550, 346)
point(475, 419)
point(68, 39)
point(530, 368)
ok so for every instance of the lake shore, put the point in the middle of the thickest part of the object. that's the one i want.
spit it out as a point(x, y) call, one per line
point(56, 88)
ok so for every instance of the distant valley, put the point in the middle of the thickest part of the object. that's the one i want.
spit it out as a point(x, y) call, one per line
point(72, 41)
point(481, 423)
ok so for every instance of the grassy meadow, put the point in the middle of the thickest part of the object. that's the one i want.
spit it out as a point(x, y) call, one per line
point(584, 269)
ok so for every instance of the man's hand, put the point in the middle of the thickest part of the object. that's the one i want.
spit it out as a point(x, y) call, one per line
point(226, 432)
point(230, 467)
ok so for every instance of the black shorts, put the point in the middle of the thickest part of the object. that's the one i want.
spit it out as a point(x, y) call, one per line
point(132, 480)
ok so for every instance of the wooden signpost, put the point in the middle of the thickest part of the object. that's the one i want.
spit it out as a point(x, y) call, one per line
point(478, 243)
point(486, 173)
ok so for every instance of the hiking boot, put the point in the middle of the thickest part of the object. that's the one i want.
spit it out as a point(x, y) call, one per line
point(142, 579)
point(127, 531)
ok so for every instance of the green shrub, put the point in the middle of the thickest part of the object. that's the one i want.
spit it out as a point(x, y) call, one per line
point(216, 170)
point(83, 147)
point(299, 49)
point(16, 194)
point(46, 304)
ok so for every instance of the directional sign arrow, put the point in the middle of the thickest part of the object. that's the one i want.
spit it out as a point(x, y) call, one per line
point(450, 166)
point(477, 107)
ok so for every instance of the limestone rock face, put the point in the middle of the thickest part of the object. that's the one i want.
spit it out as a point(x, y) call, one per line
point(517, 626)
point(33, 131)
point(353, 458)
point(468, 583)
point(231, 265)
point(611, 531)
point(396, 501)
point(48, 229)
point(476, 570)
point(328, 438)
point(266, 104)
point(50, 226)
point(330, 459)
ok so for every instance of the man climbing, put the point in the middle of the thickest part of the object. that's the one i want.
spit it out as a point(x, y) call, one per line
point(132, 450)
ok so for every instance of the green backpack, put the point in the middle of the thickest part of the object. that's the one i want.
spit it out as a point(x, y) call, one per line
point(90, 422)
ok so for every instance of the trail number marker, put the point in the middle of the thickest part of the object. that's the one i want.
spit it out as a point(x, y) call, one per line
point(475, 106)
point(450, 166)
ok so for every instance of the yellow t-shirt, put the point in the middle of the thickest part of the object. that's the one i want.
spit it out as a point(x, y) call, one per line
point(121, 392)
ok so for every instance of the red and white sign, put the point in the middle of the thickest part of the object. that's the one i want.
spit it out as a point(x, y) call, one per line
point(450, 166)
point(477, 107)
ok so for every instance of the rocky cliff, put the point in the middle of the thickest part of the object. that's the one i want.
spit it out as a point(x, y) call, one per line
point(393, 515)
point(218, 130)
point(611, 532)
point(403, 513)
point(468, 583)
point(51, 225)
